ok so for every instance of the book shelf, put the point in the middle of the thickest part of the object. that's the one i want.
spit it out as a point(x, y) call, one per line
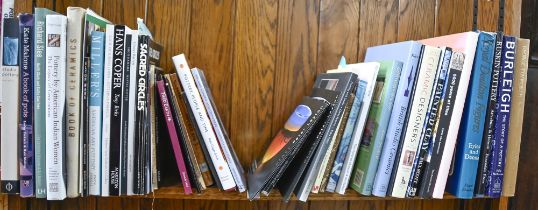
point(261, 57)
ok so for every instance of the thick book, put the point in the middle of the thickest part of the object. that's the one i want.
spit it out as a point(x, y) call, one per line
point(285, 145)
point(465, 43)
point(97, 56)
point(342, 83)
point(9, 178)
point(366, 72)
point(461, 182)
point(489, 126)
point(203, 122)
point(174, 138)
point(107, 103)
point(432, 117)
point(26, 101)
point(376, 126)
point(56, 59)
point(417, 115)
point(39, 101)
point(218, 127)
point(346, 137)
point(75, 25)
point(516, 117)
point(502, 121)
point(408, 53)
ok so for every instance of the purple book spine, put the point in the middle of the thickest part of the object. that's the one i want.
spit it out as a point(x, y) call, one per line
point(502, 122)
point(174, 138)
point(26, 158)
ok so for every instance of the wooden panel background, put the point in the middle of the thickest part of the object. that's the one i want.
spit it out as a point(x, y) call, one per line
point(261, 58)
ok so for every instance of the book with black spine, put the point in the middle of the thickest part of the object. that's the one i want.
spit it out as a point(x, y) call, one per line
point(125, 114)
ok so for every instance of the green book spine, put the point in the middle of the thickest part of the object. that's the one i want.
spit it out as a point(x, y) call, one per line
point(376, 126)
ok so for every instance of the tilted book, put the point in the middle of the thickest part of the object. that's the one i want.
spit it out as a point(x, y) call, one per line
point(464, 43)
point(210, 139)
point(417, 116)
point(408, 53)
point(39, 101)
point(432, 117)
point(56, 33)
point(366, 72)
point(516, 117)
point(97, 56)
point(26, 100)
point(376, 126)
point(461, 182)
point(75, 25)
point(502, 123)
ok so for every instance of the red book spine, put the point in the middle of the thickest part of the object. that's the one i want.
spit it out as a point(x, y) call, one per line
point(174, 138)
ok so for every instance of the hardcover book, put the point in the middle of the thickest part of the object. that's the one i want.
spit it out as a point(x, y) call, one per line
point(376, 126)
point(409, 53)
point(461, 182)
point(56, 33)
point(466, 44)
point(285, 144)
point(26, 101)
point(516, 117)
point(502, 121)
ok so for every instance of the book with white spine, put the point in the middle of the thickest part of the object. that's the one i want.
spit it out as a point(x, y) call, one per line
point(105, 135)
point(366, 72)
point(209, 137)
point(9, 80)
point(56, 31)
point(132, 106)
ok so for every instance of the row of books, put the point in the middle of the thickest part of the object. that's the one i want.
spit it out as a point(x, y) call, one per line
point(86, 110)
point(416, 119)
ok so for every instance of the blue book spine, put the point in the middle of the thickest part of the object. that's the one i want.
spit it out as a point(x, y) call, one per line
point(95, 101)
point(462, 181)
point(502, 121)
point(26, 159)
point(346, 137)
point(399, 110)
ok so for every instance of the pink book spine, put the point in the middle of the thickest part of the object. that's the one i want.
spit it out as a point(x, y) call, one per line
point(174, 139)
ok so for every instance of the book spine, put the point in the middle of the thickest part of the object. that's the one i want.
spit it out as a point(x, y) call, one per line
point(174, 138)
point(140, 113)
point(132, 110)
point(152, 101)
point(416, 119)
point(224, 140)
point(56, 31)
point(373, 138)
point(125, 113)
point(97, 55)
point(396, 123)
point(26, 101)
point(195, 101)
point(116, 108)
point(462, 181)
point(9, 156)
point(516, 117)
point(107, 103)
point(489, 126)
point(432, 118)
point(334, 176)
point(502, 123)
point(75, 17)
point(39, 104)
point(8, 11)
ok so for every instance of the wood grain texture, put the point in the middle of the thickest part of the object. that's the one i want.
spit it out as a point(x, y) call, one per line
point(323, 205)
point(204, 205)
point(404, 205)
point(367, 205)
point(475, 204)
point(512, 17)
point(296, 56)
point(115, 203)
point(453, 16)
point(23, 6)
point(211, 42)
point(441, 204)
point(488, 15)
point(124, 12)
point(95, 5)
point(46, 4)
point(338, 33)
point(254, 68)
point(151, 204)
point(416, 19)
point(381, 28)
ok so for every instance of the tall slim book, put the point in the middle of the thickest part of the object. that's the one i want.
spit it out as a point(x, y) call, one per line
point(26, 100)
point(107, 103)
point(9, 178)
point(40, 41)
point(376, 126)
point(132, 106)
point(56, 33)
point(408, 53)
point(209, 137)
point(516, 117)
